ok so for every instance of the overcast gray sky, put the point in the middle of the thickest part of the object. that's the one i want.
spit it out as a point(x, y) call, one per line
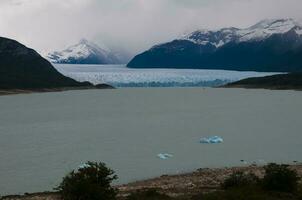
point(134, 25)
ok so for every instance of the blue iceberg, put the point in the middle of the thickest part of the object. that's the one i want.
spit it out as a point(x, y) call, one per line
point(164, 156)
point(211, 140)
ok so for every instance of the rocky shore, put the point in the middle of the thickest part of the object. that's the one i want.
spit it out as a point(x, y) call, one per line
point(201, 180)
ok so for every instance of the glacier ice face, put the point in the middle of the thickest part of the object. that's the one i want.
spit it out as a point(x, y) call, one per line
point(121, 76)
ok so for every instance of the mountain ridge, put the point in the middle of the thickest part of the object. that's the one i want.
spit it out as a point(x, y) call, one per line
point(84, 52)
point(23, 69)
point(257, 32)
point(256, 48)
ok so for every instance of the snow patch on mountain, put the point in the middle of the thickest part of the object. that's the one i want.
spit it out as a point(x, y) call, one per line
point(217, 38)
point(298, 30)
point(266, 28)
point(81, 52)
point(259, 31)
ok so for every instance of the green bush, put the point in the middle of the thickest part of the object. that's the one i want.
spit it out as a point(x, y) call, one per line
point(148, 194)
point(280, 178)
point(91, 182)
point(240, 179)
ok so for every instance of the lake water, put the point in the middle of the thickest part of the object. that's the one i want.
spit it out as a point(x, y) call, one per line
point(121, 76)
point(45, 135)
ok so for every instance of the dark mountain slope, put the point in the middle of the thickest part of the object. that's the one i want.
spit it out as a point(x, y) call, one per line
point(24, 68)
point(176, 54)
point(280, 81)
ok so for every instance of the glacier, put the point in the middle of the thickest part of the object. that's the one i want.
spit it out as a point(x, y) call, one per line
point(121, 76)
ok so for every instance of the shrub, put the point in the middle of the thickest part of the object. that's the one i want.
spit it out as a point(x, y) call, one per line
point(91, 182)
point(148, 194)
point(280, 178)
point(245, 193)
point(239, 179)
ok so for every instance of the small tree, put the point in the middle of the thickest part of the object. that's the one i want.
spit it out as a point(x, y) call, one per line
point(91, 182)
point(280, 178)
point(239, 179)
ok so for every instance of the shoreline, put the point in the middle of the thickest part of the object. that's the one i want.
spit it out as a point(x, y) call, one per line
point(200, 180)
point(4, 92)
point(278, 88)
point(289, 81)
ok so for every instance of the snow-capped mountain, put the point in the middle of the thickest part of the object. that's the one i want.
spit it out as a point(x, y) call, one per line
point(216, 38)
point(84, 52)
point(270, 45)
point(257, 32)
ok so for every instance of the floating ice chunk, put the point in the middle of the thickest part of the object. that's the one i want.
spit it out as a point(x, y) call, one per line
point(168, 155)
point(164, 156)
point(211, 140)
point(205, 140)
point(216, 139)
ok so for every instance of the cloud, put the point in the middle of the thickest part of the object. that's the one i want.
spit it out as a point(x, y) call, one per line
point(134, 25)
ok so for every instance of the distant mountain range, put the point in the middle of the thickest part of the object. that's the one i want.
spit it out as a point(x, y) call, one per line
point(85, 52)
point(270, 45)
point(24, 69)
